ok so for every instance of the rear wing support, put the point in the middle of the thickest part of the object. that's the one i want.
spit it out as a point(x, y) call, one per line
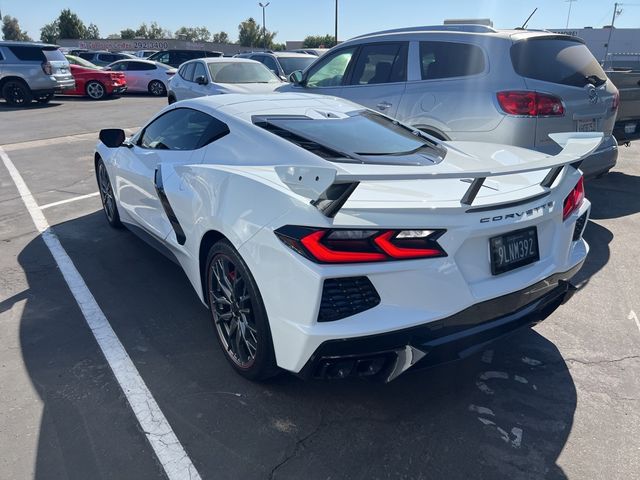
point(328, 189)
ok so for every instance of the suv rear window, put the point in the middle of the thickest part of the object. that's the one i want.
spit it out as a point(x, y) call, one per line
point(28, 53)
point(556, 60)
point(448, 59)
point(54, 55)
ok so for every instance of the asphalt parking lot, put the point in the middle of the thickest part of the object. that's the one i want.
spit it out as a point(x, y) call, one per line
point(559, 401)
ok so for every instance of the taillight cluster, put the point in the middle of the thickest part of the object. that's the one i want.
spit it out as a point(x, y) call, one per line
point(47, 68)
point(616, 102)
point(361, 245)
point(530, 104)
point(573, 200)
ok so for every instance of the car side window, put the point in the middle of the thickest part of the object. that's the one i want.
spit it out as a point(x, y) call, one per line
point(449, 59)
point(1, 57)
point(164, 58)
point(270, 63)
point(118, 67)
point(199, 71)
point(330, 71)
point(182, 129)
point(186, 71)
point(108, 57)
point(139, 66)
point(381, 63)
point(28, 53)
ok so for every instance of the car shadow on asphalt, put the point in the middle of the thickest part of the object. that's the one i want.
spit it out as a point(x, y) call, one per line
point(613, 196)
point(5, 107)
point(504, 414)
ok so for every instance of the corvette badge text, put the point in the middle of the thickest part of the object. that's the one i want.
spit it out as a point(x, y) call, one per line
point(525, 213)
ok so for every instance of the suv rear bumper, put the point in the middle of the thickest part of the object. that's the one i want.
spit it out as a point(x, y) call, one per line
point(387, 355)
point(602, 160)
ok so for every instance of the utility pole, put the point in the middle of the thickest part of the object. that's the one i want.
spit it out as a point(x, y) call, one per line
point(616, 12)
point(336, 30)
point(264, 24)
point(569, 14)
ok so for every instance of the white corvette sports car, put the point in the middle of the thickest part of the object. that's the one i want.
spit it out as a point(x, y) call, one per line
point(329, 240)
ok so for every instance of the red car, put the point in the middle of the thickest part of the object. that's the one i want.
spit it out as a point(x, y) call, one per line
point(96, 84)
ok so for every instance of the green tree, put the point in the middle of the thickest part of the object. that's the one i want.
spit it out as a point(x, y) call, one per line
point(250, 34)
point(191, 34)
point(50, 33)
point(220, 37)
point(152, 32)
point(11, 30)
point(70, 25)
point(128, 34)
point(319, 41)
point(92, 32)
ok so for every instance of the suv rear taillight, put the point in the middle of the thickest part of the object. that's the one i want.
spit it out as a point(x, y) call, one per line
point(47, 68)
point(530, 104)
point(616, 101)
point(573, 200)
point(361, 245)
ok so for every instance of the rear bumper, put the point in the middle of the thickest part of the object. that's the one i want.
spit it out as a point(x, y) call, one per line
point(118, 90)
point(385, 356)
point(602, 160)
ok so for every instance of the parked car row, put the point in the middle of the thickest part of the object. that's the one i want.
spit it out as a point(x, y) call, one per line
point(454, 82)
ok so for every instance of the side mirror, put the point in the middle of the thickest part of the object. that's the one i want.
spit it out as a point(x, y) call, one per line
point(112, 137)
point(201, 80)
point(296, 77)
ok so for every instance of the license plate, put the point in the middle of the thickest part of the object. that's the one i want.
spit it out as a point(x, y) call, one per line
point(587, 125)
point(514, 250)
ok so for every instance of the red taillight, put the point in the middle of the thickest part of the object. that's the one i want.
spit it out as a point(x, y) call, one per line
point(573, 200)
point(356, 246)
point(531, 104)
point(170, 73)
point(616, 101)
point(46, 68)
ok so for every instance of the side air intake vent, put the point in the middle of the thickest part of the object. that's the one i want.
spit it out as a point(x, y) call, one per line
point(579, 228)
point(343, 297)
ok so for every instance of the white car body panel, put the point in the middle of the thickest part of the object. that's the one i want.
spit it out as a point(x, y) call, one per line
point(238, 186)
point(139, 80)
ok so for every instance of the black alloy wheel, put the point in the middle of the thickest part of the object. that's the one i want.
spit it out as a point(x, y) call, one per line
point(238, 314)
point(106, 195)
point(17, 93)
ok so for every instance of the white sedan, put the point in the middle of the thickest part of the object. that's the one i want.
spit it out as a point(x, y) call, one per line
point(213, 76)
point(144, 75)
point(329, 240)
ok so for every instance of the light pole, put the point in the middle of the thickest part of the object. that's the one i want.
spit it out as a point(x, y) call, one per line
point(616, 12)
point(264, 26)
point(569, 13)
point(336, 30)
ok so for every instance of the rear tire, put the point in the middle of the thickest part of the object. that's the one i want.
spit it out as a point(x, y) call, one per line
point(17, 93)
point(157, 88)
point(239, 317)
point(95, 90)
point(109, 205)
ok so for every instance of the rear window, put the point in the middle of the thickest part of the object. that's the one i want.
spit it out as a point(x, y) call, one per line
point(563, 61)
point(54, 55)
point(33, 54)
point(449, 59)
point(362, 137)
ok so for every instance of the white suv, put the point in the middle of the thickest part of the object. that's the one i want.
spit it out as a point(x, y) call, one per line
point(471, 82)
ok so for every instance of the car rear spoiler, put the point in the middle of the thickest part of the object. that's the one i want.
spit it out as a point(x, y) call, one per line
point(329, 189)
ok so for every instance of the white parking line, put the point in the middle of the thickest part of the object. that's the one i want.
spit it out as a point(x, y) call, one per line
point(69, 200)
point(633, 316)
point(165, 444)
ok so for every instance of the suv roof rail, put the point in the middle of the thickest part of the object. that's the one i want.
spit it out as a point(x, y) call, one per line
point(461, 27)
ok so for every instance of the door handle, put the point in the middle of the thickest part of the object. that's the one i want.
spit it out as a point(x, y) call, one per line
point(384, 105)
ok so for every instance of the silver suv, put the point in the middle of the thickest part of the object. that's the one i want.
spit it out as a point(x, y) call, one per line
point(474, 83)
point(32, 71)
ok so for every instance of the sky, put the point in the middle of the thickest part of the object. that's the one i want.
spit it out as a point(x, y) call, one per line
point(295, 19)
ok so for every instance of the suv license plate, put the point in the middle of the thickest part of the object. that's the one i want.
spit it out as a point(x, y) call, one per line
point(587, 125)
point(514, 250)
